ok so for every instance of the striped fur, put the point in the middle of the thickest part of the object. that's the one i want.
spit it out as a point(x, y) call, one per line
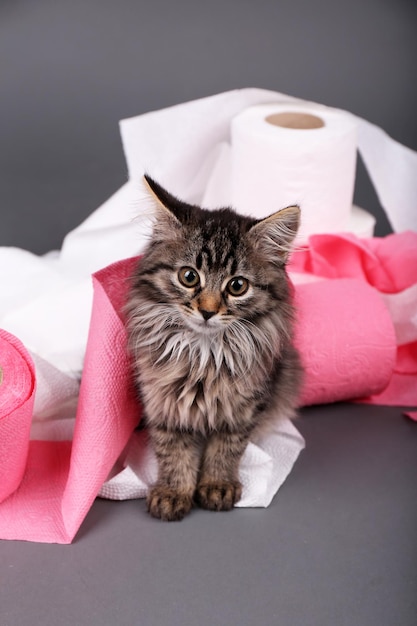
point(212, 367)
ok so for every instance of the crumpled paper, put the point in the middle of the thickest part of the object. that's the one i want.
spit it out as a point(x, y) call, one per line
point(183, 145)
point(264, 467)
point(389, 265)
point(180, 146)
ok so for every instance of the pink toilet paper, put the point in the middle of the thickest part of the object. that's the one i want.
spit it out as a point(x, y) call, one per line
point(62, 479)
point(17, 387)
point(347, 342)
point(389, 264)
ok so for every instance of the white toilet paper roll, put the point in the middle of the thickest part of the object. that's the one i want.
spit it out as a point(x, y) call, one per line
point(295, 154)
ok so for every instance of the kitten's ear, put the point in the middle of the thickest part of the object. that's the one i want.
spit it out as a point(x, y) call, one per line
point(166, 220)
point(275, 234)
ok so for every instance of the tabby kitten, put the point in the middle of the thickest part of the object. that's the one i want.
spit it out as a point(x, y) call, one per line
point(209, 320)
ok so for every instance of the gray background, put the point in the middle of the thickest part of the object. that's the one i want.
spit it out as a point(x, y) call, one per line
point(71, 70)
point(337, 546)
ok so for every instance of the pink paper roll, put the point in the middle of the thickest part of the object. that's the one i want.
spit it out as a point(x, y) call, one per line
point(17, 387)
point(389, 264)
point(62, 478)
point(346, 339)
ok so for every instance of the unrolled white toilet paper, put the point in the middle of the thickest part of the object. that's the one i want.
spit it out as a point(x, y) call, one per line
point(264, 467)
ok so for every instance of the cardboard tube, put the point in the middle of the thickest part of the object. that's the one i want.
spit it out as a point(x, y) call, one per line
point(293, 119)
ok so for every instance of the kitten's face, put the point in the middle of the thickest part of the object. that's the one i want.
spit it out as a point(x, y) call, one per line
point(211, 280)
point(215, 268)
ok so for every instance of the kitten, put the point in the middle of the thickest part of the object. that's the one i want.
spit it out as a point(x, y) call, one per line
point(209, 320)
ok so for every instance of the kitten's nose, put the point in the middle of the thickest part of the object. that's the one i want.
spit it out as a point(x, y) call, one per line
point(207, 314)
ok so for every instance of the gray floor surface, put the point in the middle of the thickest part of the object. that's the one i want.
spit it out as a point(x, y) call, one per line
point(337, 546)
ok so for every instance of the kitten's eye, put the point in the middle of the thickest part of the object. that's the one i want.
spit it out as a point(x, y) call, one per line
point(237, 286)
point(188, 277)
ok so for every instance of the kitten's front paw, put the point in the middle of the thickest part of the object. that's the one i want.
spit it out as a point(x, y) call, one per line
point(168, 504)
point(221, 495)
